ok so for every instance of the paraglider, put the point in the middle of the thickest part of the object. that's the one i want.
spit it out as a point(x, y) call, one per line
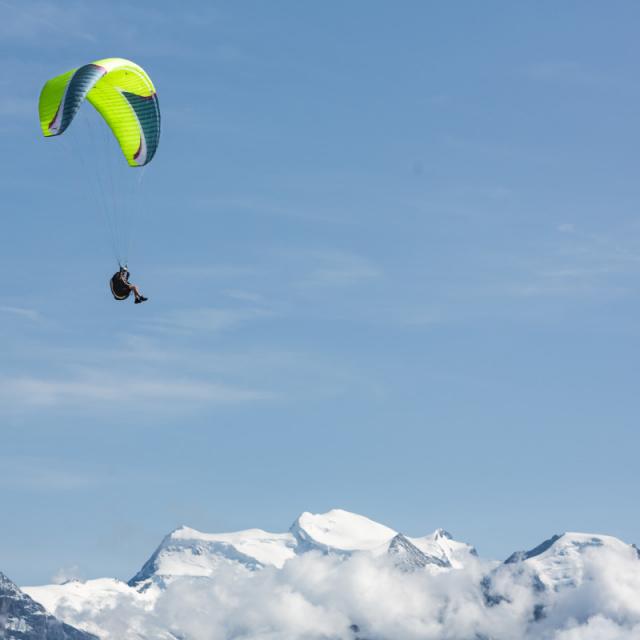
point(125, 97)
point(121, 288)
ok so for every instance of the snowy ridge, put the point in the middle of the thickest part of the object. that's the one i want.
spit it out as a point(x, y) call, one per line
point(187, 552)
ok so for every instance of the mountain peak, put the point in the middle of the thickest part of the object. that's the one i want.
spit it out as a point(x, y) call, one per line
point(442, 533)
point(520, 556)
point(339, 530)
point(407, 557)
point(181, 531)
point(567, 560)
point(569, 543)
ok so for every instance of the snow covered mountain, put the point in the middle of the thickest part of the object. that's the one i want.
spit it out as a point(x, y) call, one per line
point(591, 581)
point(563, 560)
point(23, 619)
point(341, 575)
point(187, 552)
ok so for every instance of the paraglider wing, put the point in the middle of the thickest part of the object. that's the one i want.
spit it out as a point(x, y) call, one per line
point(123, 94)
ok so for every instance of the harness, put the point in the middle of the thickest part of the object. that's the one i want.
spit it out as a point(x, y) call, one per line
point(120, 289)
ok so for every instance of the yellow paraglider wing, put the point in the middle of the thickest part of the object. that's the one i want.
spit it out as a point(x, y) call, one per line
point(122, 93)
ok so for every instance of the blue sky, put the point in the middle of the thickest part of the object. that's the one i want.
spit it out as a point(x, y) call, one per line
point(392, 255)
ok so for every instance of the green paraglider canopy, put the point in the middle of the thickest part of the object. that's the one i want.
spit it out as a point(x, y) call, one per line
point(122, 93)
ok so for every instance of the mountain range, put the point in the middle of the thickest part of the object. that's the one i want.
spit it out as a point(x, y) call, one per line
point(341, 575)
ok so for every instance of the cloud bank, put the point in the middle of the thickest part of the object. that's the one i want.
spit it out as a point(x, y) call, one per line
point(318, 596)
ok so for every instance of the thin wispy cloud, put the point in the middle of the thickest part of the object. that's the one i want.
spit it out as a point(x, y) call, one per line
point(38, 474)
point(244, 296)
point(416, 317)
point(338, 269)
point(28, 22)
point(209, 375)
point(265, 206)
point(569, 71)
point(27, 314)
point(579, 272)
point(222, 272)
point(558, 289)
point(65, 574)
point(15, 107)
point(48, 23)
point(573, 265)
point(207, 320)
point(34, 392)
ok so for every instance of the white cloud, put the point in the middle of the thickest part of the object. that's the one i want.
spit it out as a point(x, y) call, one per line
point(265, 206)
point(14, 107)
point(33, 392)
point(553, 289)
point(580, 265)
point(222, 271)
point(64, 574)
point(166, 374)
point(244, 296)
point(599, 628)
point(209, 320)
point(30, 21)
point(570, 72)
point(37, 474)
point(339, 269)
point(29, 314)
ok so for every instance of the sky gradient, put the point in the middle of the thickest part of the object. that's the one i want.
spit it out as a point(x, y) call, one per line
point(392, 255)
